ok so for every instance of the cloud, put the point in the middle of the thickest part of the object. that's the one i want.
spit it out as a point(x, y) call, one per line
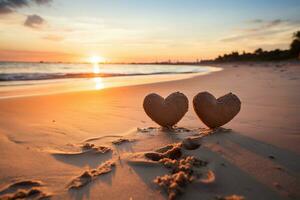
point(266, 24)
point(34, 21)
point(256, 21)
point(251, 35)
point(274, 23)
point(10, 6)
point(4, 9)
point(41, 2)
point(261, 29)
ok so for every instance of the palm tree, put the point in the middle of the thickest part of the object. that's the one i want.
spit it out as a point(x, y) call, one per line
point(295, 45)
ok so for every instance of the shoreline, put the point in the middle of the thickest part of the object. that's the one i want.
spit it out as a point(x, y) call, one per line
point(257, 157)
point(98, 83)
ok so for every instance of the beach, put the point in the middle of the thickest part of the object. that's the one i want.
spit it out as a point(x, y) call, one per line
point(51, 140)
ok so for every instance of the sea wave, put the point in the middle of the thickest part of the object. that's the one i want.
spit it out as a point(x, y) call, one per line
point(49, 76)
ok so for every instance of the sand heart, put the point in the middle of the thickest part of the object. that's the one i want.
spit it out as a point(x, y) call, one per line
point(166, 112)
point(216, 112)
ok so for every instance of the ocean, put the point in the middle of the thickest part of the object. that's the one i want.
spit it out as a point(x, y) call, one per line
point(23, 77)
point(12, 72)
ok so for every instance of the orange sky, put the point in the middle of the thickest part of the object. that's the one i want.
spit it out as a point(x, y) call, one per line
point(142, 31)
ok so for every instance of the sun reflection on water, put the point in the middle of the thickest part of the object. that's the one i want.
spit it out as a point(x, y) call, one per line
point(98, 83)
point(97, 80)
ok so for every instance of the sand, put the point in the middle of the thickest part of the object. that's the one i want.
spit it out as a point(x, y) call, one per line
point(98, 141)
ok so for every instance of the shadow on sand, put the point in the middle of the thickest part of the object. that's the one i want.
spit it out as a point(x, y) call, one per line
point(84, 159)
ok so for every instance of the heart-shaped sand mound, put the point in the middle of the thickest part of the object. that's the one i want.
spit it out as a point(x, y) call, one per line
point(166, 112)
point(216, 112)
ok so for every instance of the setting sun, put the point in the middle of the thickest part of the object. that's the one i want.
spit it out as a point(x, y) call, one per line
point(96, 59)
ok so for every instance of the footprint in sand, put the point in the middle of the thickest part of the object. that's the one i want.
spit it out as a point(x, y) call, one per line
point(24, 189)
point(89, 175)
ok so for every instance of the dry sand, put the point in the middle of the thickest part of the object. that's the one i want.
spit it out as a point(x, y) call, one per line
point(96, 141)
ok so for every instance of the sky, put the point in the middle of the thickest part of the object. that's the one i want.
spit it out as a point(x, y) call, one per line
point(142, 30)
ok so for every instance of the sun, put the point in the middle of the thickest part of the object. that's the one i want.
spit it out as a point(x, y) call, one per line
point(96, 59)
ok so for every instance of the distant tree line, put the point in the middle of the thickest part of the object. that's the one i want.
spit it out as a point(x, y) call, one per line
point(261, 55)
